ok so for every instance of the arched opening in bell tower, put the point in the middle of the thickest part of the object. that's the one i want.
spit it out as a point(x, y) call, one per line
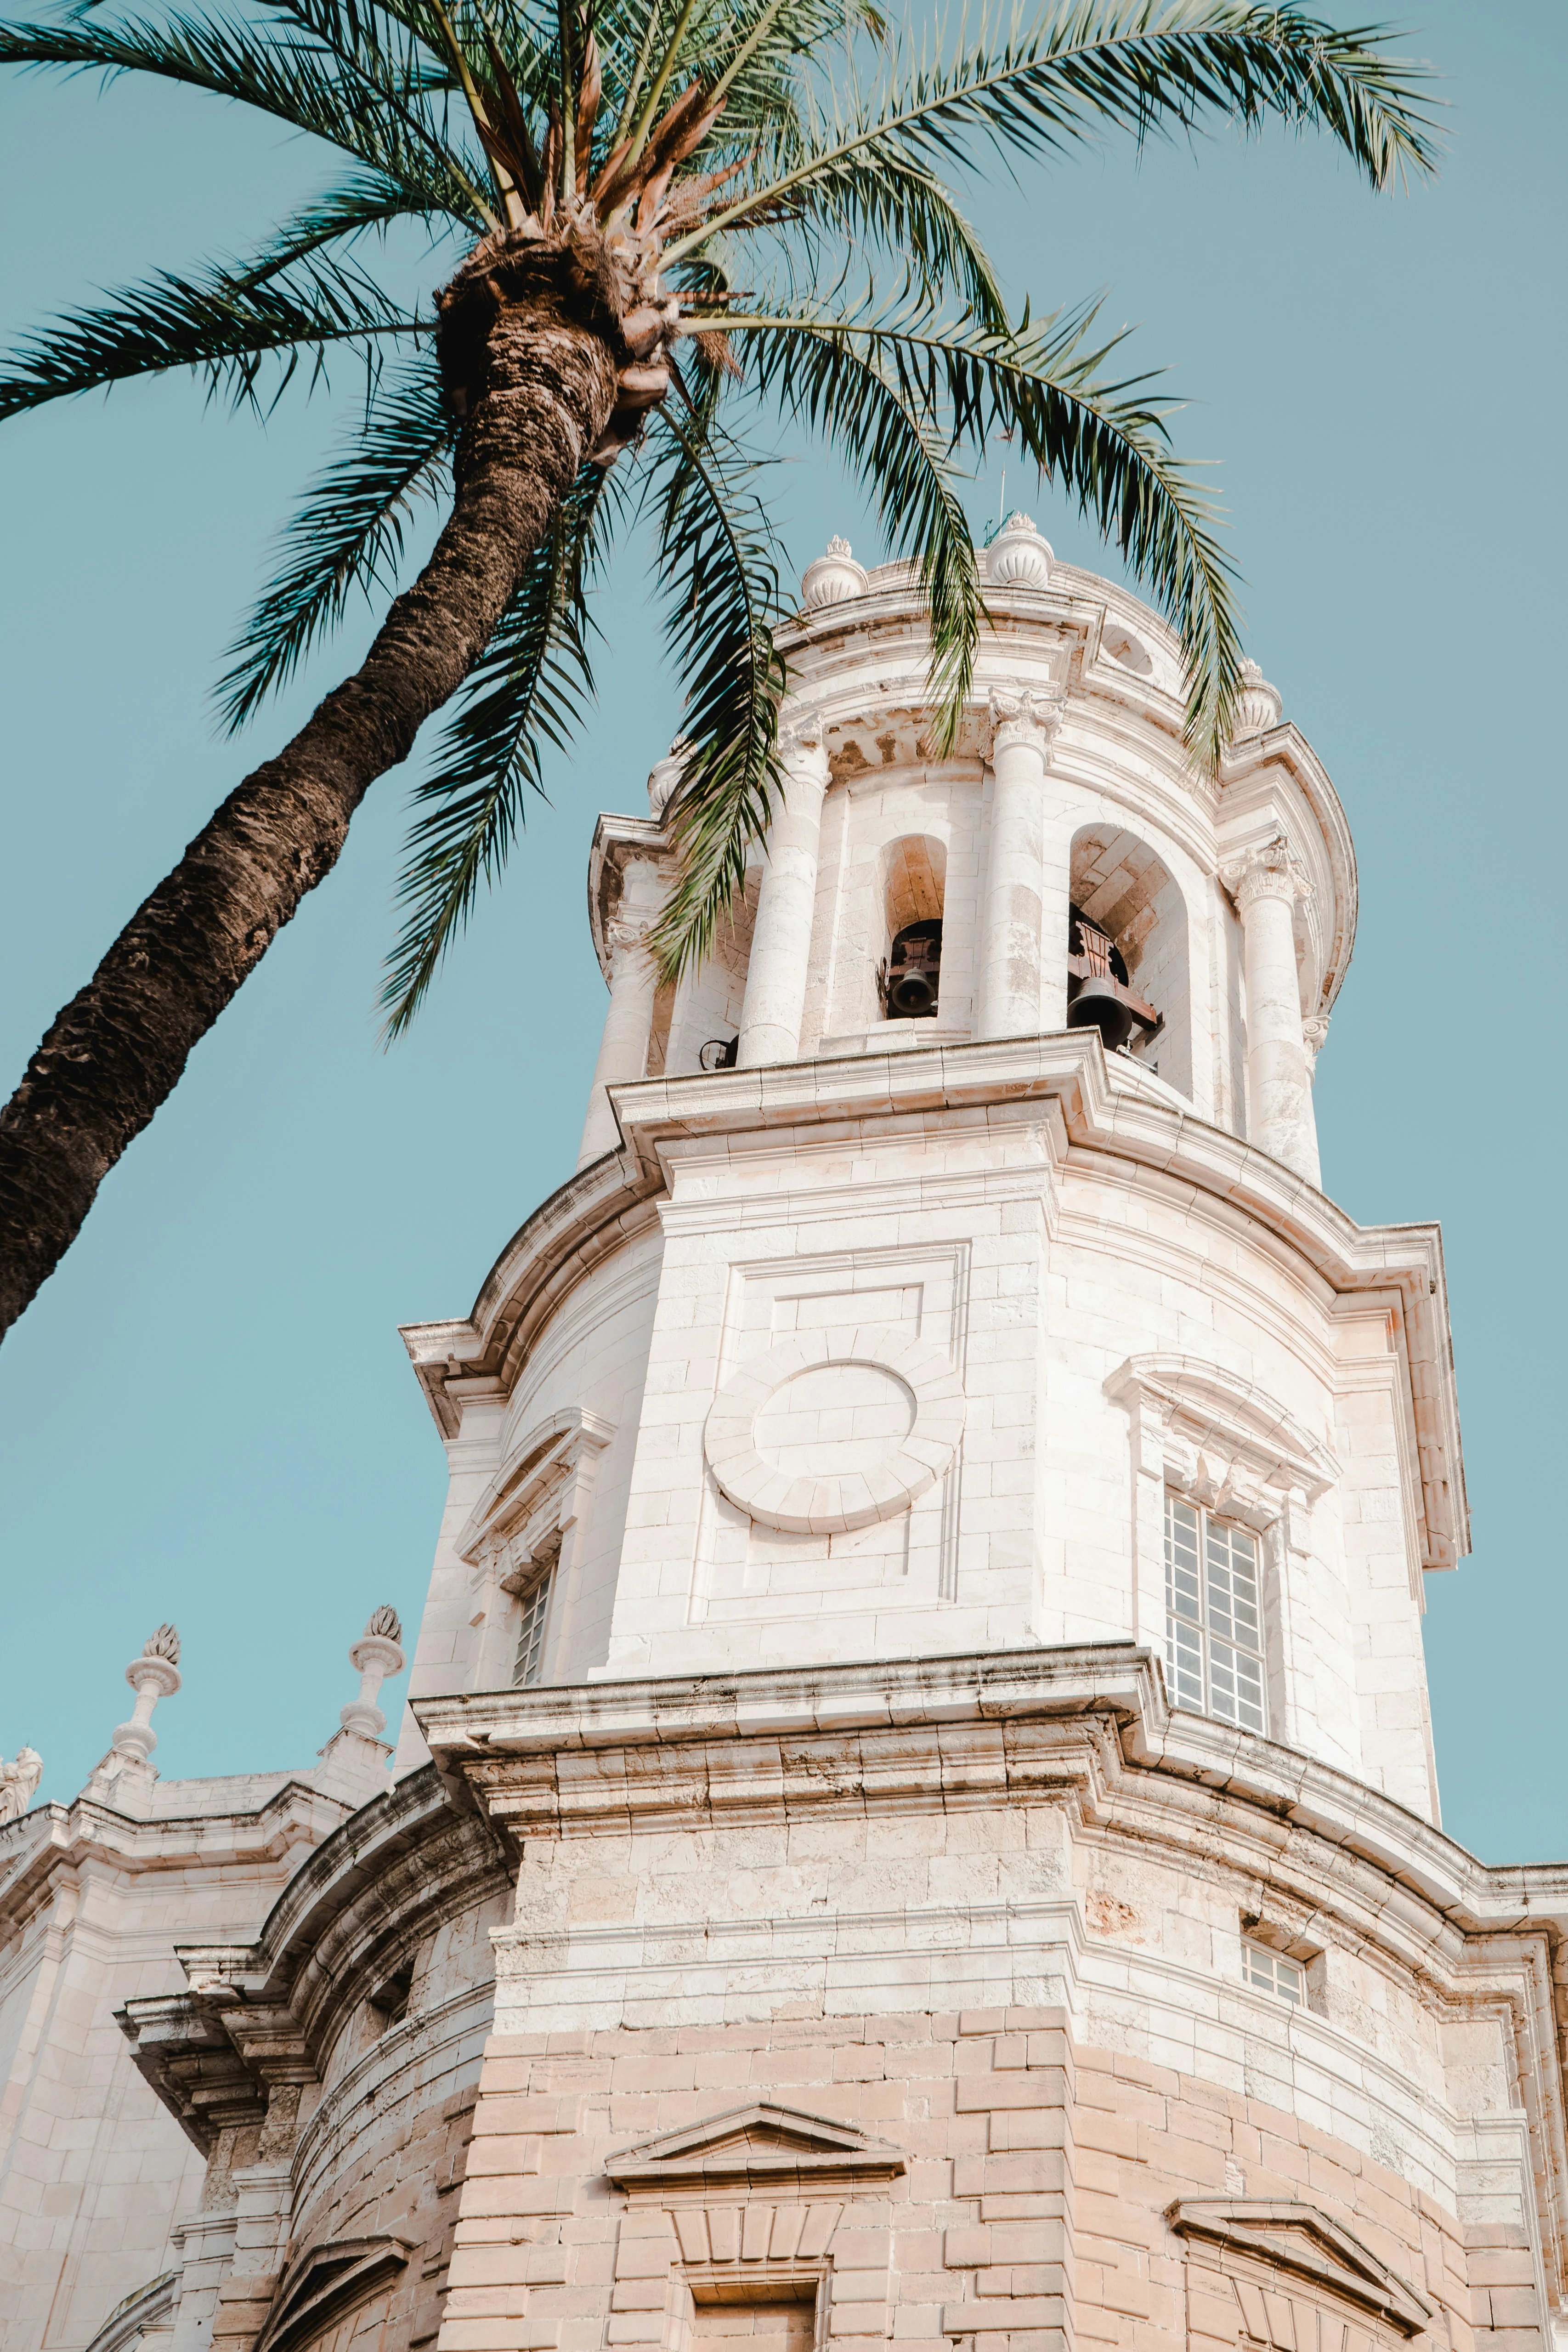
point(914, 881)
point(1125, 894)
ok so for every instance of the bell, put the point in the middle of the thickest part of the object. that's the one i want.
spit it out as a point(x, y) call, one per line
point(910, 980)
point(1098, 1006)
point(911, 996)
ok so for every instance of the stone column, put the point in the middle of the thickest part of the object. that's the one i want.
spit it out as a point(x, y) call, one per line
point(781, 941)
point(1267, 885)
point(623, 1048)
point(1023, 729)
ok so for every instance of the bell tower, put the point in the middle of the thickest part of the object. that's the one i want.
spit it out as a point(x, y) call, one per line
point(931, 1590)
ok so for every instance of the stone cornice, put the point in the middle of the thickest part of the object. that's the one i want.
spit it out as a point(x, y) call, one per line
point(1087, 1729)
point(54, 1841)
point(585, 1221)
point(568, 1761)
point(1088, 1107)
point(262, 2013)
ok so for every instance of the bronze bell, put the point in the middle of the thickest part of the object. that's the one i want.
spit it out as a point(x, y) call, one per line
point(1099, 993)
point(1097, 1005)
point(913, 972)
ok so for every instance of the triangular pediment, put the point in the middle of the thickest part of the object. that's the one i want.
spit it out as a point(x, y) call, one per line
point(758, 2142)
point(1303, 2241)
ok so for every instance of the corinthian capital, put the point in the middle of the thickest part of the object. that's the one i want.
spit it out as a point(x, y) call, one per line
point(1031, 716)
point(802, 747)
point(1268, 872)
point(1314, 1034)
point(626, 935)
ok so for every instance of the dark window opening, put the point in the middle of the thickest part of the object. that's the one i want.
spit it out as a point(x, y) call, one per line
point(1099, 993)
point(909, 983)
point(390, 2000)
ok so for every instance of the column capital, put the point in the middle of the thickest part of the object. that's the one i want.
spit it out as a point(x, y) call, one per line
point(1025, 715)
point(1314, 1035)
point(626, 932)
point(1268, 871)
point(802, 747)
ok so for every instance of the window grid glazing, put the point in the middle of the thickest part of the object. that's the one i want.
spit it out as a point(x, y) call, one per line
point(1214, 1618)
point(531, 1616)
point(1272, 1972)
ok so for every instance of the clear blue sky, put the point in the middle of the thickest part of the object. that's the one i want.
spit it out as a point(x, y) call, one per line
point(208, 1415)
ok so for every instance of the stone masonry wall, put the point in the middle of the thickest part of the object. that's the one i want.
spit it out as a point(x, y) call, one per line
point(1032, 2215)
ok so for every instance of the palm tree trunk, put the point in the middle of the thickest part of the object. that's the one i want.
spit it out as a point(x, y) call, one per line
point(116, 1050)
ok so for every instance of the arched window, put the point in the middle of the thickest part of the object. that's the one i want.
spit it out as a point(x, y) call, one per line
point(909, 982)
point(1128, 916)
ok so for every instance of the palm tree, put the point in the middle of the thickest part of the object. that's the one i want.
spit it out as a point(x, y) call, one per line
point(653, 200)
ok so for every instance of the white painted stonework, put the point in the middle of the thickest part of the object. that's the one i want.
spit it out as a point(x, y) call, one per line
point(918, 1820)
point(985, 1186)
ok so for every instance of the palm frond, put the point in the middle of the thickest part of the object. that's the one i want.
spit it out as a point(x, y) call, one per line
point(293, 81)
point(347, 534)
point(906, 210)
point(721, 581)
point(222, 327)
point(354, 209)
point(1103, 440)
point(395, 60)
point(527, 691)
point(888, 429)
point(1097, 65)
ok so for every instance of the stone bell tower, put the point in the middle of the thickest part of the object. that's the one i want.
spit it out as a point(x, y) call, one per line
point(923, 1665)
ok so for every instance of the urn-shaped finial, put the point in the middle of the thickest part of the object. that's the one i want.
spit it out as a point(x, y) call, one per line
point(153, 1676)
point(376, 1654)
point(1020, 556)
point(1258, 706)
point(834, 579)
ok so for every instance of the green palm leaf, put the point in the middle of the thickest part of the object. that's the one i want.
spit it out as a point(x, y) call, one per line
point(347, 535)
point(225, 327)
point(719, 566)
point(527, 692)
point(1086, 67)
point(863, 396)
point(295, 83)
point(1103, 441)
point(621, 172)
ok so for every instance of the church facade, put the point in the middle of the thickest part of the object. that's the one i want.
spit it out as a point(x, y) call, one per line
point(916, 1818)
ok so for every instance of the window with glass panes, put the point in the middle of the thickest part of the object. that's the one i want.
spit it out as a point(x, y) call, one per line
point(531, 1615)
point(1214, 1615)
point(1272, 1972)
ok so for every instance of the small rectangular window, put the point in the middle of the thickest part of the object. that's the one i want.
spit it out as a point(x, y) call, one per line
point(1214, 1619)
point(1272, 1972)
point(532, 1610)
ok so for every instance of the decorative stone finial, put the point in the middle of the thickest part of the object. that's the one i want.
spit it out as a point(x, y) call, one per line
point(153, 1676)
point(1259, 705)
point(1018, 557)
point(376, 1654)
point(19, 1782)
point(834, 579)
